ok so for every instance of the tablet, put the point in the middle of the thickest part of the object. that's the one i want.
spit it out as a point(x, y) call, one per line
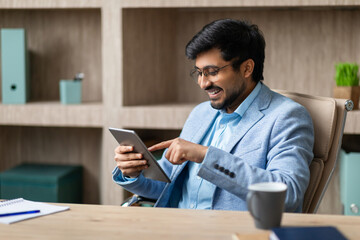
point(129, 137)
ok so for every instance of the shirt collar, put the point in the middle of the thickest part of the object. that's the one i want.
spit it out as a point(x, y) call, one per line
point(241, 109)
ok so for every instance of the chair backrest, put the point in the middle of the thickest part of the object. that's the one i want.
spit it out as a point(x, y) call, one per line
point(328, 115)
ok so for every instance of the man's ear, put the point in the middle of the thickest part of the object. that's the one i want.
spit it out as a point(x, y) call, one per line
point(248, 66)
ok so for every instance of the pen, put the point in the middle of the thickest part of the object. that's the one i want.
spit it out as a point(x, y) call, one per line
point(18, 213)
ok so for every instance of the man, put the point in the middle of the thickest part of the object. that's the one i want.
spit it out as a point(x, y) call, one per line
point(245, 134)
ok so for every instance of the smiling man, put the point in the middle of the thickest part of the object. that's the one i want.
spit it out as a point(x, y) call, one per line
point(244, 134)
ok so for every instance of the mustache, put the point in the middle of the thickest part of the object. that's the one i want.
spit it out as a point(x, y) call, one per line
point(212, 87)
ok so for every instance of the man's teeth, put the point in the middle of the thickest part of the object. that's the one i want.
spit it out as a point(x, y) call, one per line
point(214, 91)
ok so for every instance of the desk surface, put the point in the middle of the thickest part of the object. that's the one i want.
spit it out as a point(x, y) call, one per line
point(114, 222)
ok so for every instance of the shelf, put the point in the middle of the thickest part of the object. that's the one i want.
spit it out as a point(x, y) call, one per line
point(52, 114)
point(236, 3)
point(32, 4)
point(172, 116)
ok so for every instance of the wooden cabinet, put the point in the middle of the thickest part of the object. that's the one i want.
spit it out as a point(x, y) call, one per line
point(137, 76)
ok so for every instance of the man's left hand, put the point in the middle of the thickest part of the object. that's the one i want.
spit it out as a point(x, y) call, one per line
point(180, 150)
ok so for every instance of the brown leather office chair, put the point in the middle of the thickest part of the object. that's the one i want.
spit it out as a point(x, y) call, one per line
point(328, 115)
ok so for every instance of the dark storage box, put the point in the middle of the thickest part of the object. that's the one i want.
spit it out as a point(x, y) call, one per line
point(43, 182)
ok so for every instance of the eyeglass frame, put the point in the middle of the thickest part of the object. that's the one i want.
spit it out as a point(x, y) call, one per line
point(201, 72)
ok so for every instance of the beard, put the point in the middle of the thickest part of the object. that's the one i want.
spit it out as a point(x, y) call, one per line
point(230, 100)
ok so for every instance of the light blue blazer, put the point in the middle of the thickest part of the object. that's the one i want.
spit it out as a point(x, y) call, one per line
point(272, 143)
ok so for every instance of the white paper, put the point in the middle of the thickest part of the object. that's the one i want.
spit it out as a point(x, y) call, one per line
point(20, 204)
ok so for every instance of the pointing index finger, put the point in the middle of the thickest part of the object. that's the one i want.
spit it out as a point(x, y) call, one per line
point(161, 145)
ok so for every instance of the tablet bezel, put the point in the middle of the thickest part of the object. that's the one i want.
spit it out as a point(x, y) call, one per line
point(130, 138)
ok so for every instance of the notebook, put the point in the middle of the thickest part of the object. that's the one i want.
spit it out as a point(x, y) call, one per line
point(306, 233)
point(22, 205)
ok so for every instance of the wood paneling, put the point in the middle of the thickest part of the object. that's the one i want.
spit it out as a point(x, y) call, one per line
point(149, 57)
point(302, 50)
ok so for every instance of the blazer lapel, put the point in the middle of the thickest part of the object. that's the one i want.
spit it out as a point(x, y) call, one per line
point(203, 125)
point(197, 134)
point(251, 117)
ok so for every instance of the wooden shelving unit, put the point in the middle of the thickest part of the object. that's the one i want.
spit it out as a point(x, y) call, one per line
point(137, 75)
point(64, 38)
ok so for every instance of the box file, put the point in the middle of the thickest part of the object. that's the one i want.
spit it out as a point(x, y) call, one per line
point(14, 66)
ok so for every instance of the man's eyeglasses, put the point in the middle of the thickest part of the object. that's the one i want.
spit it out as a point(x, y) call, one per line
point(208, 71)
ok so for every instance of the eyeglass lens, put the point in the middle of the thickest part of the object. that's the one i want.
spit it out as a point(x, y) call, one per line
point(209, 72)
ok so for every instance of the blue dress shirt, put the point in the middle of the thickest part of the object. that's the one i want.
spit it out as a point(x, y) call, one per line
point(197, 193)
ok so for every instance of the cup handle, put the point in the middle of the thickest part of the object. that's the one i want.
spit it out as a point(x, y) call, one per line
point(249, 201)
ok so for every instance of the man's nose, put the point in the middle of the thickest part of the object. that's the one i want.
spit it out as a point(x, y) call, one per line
point(204, 82)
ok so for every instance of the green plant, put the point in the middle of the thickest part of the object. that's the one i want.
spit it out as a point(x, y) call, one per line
point(347, 74)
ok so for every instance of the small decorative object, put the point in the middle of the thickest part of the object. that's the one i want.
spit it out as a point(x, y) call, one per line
point(347, 82)
point(14, 66)
point(70, 90)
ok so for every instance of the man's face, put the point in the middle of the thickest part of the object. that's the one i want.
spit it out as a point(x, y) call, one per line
point(228, 88)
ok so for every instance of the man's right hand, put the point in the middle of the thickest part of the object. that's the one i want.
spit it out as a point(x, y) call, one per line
point(129, 163)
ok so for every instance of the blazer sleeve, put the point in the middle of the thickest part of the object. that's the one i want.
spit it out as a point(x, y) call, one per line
point(143, 186)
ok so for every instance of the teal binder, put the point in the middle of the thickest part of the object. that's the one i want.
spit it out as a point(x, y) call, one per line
point(14, 66)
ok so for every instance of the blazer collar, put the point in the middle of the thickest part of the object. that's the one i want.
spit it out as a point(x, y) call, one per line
point(251, 117)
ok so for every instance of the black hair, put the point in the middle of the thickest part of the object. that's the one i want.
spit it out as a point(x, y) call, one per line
point(237, 40)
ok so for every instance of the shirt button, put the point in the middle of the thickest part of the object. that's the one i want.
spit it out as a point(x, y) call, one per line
point(198, 177)
point(192, 205)
point(216, 166)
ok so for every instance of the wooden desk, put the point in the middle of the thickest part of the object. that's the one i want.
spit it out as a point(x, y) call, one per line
point(114, 222)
